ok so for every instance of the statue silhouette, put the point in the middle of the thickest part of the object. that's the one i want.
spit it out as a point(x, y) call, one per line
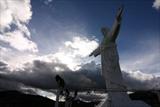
point(117, 97)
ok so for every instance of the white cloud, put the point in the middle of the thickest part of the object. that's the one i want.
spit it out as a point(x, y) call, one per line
point(73, 53)
point(46, 2)
point(17, 13)
point(148, 62)
point(14, 58)
point(140, 75)
point(82, 46)
point(14, 10)
point(156, 4)
point(17, 40)
point(140, 80)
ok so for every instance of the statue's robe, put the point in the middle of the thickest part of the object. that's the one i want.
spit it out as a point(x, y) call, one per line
point(117, 97)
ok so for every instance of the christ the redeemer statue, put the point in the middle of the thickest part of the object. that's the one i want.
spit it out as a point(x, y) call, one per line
point(117, 97)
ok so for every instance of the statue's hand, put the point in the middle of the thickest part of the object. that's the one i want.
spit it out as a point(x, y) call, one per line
point(119, 14)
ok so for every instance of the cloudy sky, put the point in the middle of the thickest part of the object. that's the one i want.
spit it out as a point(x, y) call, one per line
point(42, 38)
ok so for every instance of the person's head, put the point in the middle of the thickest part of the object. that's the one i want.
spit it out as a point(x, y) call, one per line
point(60, 81)
point(57, 78)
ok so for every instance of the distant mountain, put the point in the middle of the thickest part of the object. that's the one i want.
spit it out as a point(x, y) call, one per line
point(18, 99)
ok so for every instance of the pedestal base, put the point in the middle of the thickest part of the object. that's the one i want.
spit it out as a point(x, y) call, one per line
point(121, 99)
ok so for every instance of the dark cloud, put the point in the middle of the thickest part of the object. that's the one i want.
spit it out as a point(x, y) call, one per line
point(3, 66)
point(41, 74)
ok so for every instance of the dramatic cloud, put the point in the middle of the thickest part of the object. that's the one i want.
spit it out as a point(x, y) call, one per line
point(139, 80)
point(75, 52)
point(72, 63)
point(145, 57)
point(17, 40)
point(70, 57)
point(156, 4)
point(41, 74)
point(14, 10)
point(148, 63)
point(22, 67)
point(15, 15)
point(14, 58)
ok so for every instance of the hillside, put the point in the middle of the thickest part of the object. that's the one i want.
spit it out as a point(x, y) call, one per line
point(18, 99)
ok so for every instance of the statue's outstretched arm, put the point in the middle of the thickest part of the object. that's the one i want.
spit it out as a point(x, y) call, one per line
point(116, 26)
point(96, 52)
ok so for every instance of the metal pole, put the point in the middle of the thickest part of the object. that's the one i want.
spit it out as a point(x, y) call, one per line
point(57, 98)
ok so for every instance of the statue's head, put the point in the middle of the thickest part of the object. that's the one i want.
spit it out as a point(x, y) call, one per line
point(105, 31)
point(107, 36)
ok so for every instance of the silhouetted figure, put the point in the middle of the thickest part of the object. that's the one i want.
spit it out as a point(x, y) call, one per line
point(60, 81)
